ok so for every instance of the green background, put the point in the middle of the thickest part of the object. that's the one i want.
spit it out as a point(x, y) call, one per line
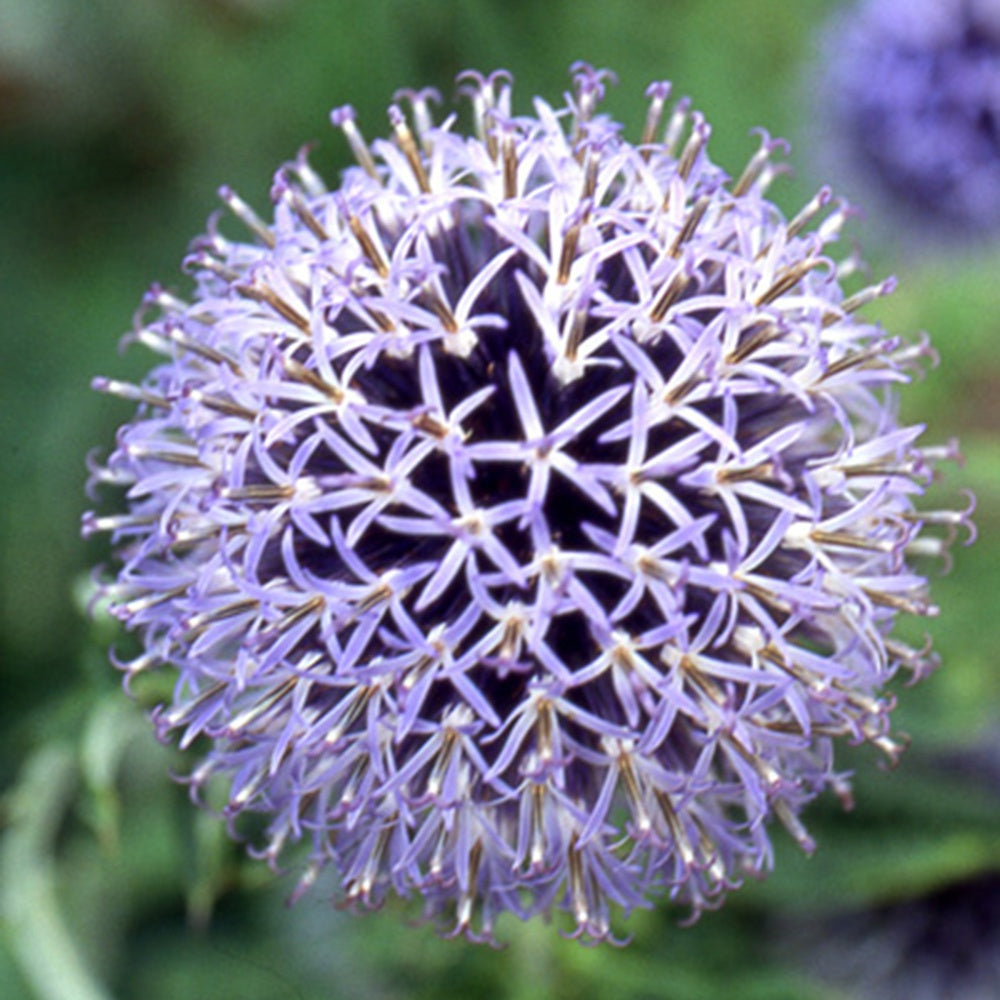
point(118, 121)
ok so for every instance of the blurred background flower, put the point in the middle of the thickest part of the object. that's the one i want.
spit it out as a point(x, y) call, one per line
point(910, 104)
point(111, 885)
point(942, 941)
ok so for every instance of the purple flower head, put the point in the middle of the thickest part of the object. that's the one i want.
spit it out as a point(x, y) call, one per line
point(525, 519)
point(914, 90)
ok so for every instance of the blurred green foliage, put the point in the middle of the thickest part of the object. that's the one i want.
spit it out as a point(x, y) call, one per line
point(118, 120)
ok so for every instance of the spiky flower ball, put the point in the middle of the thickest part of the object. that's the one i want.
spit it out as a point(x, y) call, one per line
point(915, 91)
point(526, 518)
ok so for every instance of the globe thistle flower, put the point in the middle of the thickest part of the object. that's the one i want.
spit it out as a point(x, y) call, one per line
point(914, 92)
point(525, 518)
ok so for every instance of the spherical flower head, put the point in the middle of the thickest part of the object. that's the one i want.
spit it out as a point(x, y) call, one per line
point(525, 518)
point(914, 91)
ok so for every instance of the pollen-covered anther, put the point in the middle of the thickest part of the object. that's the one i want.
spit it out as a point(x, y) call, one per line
point(773, 782)
point(260, 291)
point(691, 223)
point(845, 540)
point(920, 662)
point(892, 749)
point(259, 492)
point(657, 93)
point(508, 154)
point(916, 357)
point(457, 340)
point(168, 455)
point(861, 299)
point(300, 373)
point(188, 531)
point(420, 103)
point(306, 610)
point(260, 708)
point(785, 281)
point(247, 215)
point(679, 117)
point(791, 822)
point(697, 141)
point(467, 899)
point(204, 260)
point(283, 190)
point(134, 393)
point(430, 424)
point(700, 681)
point(196, 624)
point(762, 472)
point(360, 884)
point(409, 147)
point(508, 635)
point(670, 293)
point(578, 891)
point(758, 163)
point(220, 404)
point(92, 523)
point(487, 93)
point(538, 839)
point(366, 242)
point(571, 240)
point(344, 118)
point(172, 335)
point(183, 713)
point(642, 819)
point(357, 703)
point(951, 519)
point(754, 338)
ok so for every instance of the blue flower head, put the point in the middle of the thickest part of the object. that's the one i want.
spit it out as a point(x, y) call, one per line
point(526, 518)
point(914, 93)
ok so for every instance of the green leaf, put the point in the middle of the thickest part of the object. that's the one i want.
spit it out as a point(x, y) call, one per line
point(36, 931)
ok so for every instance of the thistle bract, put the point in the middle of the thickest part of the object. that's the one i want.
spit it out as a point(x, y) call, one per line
point(526, 518)
point(914, 90)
